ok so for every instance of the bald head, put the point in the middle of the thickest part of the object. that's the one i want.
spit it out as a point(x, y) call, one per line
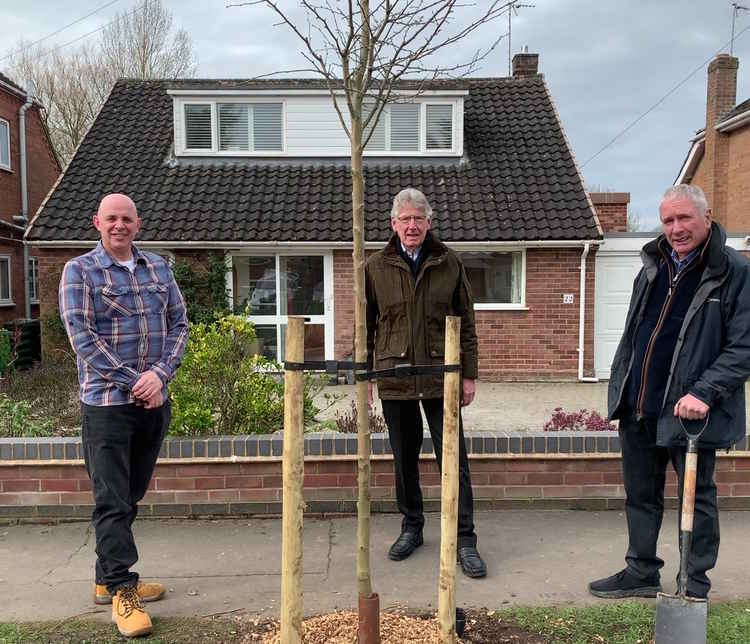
point(118, 223)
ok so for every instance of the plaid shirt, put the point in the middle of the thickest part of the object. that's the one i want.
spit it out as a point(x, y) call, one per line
point(121, 323)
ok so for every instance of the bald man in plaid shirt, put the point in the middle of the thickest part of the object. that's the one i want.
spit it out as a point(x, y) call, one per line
point(125, 317)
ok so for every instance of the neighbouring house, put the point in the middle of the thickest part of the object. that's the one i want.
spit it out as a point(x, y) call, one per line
point(258, 171)
point(22, 134)
point(719, 157)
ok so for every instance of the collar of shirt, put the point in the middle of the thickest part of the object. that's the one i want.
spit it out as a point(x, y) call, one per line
point(105, 260)
point(682, 263)
point(413, 255)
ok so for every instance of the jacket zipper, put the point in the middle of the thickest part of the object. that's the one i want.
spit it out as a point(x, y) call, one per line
point(673, 281)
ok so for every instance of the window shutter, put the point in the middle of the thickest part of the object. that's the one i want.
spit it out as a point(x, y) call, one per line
point(439, 127)
point(198, 127)
point(4, 144)
point(405, 127)
point(377, 141)
point(233, 124)
point(267, 127)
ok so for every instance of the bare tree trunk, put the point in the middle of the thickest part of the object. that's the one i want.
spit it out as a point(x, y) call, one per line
point(364, 584)
point(449, 493)
point(293, 506)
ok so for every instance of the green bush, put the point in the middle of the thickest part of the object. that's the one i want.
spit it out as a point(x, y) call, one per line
point(6, 351)
point(17, 420)
point(223, 388)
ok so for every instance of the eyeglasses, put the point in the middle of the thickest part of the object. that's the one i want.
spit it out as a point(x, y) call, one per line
point(416, 219)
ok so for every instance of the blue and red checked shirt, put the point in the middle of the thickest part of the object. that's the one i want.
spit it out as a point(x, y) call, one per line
point(121, 323)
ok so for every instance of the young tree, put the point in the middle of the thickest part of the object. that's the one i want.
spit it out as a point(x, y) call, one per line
point(73, 85)
point(362, 49)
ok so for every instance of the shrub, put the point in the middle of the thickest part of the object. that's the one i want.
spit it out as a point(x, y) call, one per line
point(51, 388)
point(17, 419)
point(6, 352)
point(223, 388)
point(582, 420)
point(203, 286)
point(346, 422)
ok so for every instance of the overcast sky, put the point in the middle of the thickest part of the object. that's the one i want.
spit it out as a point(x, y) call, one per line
point(606, 63)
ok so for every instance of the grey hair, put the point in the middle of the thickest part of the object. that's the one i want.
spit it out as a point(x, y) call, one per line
point(686, 191)
point(411, 197)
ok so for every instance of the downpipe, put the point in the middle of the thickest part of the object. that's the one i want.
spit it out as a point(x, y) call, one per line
point(582, 316)
point(25, 203)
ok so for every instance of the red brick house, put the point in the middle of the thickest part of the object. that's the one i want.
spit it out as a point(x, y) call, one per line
point(258, 170)
point(17, 110)
point(719, 157)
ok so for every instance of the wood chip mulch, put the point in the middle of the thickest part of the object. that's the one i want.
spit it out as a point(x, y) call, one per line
point(397, 627)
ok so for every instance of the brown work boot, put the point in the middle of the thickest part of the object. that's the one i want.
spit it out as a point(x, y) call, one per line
point(128, 613)
point(149, 591)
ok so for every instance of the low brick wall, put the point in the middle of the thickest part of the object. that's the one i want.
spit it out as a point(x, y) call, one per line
point(241, 476)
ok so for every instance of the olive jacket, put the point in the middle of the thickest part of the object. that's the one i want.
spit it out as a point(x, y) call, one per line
point(712, 357)
point(406, 317)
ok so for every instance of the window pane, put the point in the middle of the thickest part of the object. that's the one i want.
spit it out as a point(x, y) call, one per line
point(314, 342)
point(439, 127)
point(34, 274)
point(233, 124)
point(266, 341)
point(301, 285)
point(198, 127)
point(267, 127)
point(4, 278)
point(404, 127)
point(4, 144)
point(377, 142)
point(494, 277)
point(254, 283)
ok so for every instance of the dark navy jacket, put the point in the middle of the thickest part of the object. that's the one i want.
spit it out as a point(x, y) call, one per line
point(711, 358)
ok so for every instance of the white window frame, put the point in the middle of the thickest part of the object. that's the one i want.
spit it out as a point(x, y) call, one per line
point(9, 300)
point(456, 137)
point(326, 319)
point(7, 140)
point(500, 306)
point(33, 283)
point(180, 137)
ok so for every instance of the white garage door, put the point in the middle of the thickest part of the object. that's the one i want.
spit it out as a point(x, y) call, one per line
point(617, 264)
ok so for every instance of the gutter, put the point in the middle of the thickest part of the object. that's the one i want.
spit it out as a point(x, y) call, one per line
point(320, 245)
point(25, 202)
point(582, 317)
point(733, 123)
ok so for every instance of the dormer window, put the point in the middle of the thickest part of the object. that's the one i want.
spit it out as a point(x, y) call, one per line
point(299, 123)
point(231, 127)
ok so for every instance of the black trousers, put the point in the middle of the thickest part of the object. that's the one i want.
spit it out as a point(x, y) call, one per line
point(404, 422)
point(121, 444)
point(644, 466)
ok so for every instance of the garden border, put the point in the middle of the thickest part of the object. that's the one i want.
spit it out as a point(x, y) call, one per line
point(45, 478)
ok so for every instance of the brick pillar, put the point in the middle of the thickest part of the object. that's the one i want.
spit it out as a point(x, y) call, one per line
point(721, 95)
point(612, 210)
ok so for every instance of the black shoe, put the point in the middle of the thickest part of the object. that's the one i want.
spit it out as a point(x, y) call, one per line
point(406, 543)
point(624, 584)
point(471, 562)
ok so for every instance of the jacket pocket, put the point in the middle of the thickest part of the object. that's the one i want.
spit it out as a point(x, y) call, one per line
point(437, 310)
point(393, 332)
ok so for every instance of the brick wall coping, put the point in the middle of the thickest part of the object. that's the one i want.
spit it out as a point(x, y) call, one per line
point(324, 445)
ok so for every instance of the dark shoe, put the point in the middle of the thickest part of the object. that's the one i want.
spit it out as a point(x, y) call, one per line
point(471, 562)
point(406, 543)
point(624, 584)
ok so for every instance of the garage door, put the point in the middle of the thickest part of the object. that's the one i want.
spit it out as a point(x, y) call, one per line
point(616, 269)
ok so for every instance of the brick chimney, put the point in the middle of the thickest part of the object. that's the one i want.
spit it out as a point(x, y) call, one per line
point(525, 64)
point(612, 210)
point(721, 96)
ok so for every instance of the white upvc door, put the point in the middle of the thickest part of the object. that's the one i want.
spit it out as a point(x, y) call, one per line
point(273, 286)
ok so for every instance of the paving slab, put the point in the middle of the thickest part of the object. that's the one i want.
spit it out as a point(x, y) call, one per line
point(535, 558)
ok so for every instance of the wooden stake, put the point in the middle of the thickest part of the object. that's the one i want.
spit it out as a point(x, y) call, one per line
point(449, 491)
point(293, 504)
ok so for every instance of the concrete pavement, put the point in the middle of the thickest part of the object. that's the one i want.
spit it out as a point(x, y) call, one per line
point(212, 567)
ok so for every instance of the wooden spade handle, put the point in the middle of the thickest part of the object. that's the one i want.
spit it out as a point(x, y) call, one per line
point(688, 488)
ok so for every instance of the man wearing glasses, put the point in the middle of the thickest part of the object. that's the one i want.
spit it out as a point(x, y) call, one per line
point(412, 285)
